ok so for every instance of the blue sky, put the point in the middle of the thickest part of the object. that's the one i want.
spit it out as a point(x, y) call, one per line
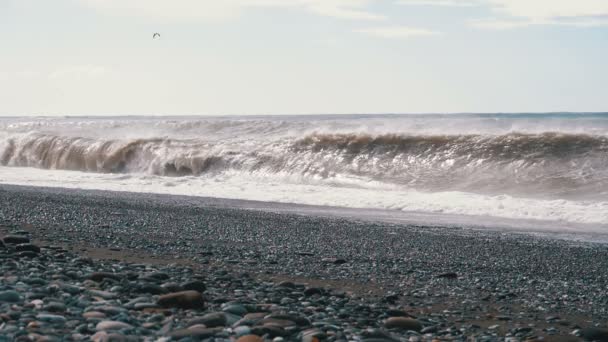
point(95, 57)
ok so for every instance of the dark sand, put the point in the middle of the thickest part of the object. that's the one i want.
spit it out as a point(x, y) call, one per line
point(504, 279)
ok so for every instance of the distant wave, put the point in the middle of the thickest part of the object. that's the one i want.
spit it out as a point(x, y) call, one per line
point(547, 163)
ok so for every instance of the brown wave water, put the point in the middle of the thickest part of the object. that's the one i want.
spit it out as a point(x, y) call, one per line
point(548, 164)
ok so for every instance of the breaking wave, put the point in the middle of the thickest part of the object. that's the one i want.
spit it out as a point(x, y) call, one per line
point(544, 164)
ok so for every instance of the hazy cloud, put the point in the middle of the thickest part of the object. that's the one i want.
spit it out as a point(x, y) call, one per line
point(397, 32)
point(445, 3)
point(218, 10)
point(78, 72)
point(521, 13)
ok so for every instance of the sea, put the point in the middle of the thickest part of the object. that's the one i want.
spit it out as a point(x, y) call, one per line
point(515, 170)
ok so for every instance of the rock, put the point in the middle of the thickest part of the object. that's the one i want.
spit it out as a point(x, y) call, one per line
point(195, 285)
point(173, 287)
point(112, 325)
point(94, 314)
point(403, 323)
point(448, 275)
point(311, 291)
point(152, 289)
point(199, 333)
point(55, 319)
point(250, 338)
point(102, 294)
point(27, 247)
point(182, 300)
point(28, 254)
point(242, 330)
point(235, 309)
point(312, 335)
point(10, 297)
point(156, 276)
point(283, 323)
point(55, 307)
point(335, 261)
point(102, 336)
point(271, 331)
point(210, 320)
point(594, 334)
point(287, 284)
point(15, 239)
point(300, 321)
point(100, 276)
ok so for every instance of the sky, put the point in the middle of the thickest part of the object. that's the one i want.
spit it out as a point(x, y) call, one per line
point(219, 57)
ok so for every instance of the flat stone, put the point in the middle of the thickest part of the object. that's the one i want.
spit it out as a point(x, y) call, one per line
point(94, 314)
point(112, 325)
point(595, 334)
point(283, 323)
point(10, 297)
point(250, 338)
point(15, 239)
point(102, 294)
point(199, 333)
point(235, 309)
point(448, 275)
point(99, 276)
point(55, 319)
point(55, 307)
point(311, 291)
point(182, 300)
point(211, 320)
point(154, 289)
point(195, 285)
point(403, 323)
point(300, 321)
point(27, 247)
point(27, 254)
point(142, 306)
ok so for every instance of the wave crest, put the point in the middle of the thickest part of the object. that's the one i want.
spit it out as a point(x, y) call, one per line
point(547, 163)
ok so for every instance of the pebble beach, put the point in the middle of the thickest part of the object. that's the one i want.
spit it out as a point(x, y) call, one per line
point(82, 265)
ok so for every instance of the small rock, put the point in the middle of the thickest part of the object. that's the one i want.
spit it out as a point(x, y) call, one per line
point(403, 323)
point(9, 297)
point(15, 239)
point(56, 319)
point(199, 333)
point(182, 300)
point(26, 247)
point(250, 338)
point(594, 334)
point(195, 285)
point(99, 276)
point(448, 275)
point(112, 325)
point(210, 320)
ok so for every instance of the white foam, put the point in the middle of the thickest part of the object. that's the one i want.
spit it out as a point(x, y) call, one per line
point(378, 196)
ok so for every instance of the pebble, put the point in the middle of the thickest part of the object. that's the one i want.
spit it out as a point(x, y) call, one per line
point(112, 325)
point(403, 323)
point(10, 297)
point(182, 300)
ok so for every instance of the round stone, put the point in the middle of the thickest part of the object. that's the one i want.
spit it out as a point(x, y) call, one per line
point(10, 297)
point(403, 323)
point(112, 325)
point(250, 338)
point(182, 300)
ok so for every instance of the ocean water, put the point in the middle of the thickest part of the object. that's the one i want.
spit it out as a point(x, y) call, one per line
point(532, 167)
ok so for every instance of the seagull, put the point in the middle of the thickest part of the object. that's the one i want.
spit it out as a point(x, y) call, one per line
point(156, 35)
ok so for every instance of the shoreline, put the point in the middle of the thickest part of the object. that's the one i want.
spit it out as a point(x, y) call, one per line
point(582, 232)
point(503, 279)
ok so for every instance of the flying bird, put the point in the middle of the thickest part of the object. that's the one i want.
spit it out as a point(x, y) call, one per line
point(156, 35)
